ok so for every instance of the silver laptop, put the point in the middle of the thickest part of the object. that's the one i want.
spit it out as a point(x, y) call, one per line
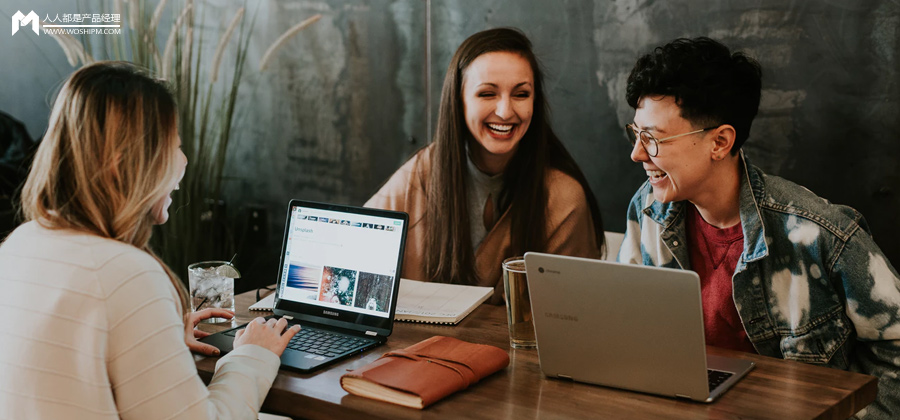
point(625, 326)
point(338, 278)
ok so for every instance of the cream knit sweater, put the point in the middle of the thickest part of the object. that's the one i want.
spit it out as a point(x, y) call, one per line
point(90, 329)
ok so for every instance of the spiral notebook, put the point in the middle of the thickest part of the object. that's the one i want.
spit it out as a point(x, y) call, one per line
point(265, 304)
point(438, 303)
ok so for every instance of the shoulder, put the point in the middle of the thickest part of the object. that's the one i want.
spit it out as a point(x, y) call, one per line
point(417, 166)
point(83, 262)
point(787, 199)
point(67, 246)
point(641, 198)
point(409, 178)
point(122, 269)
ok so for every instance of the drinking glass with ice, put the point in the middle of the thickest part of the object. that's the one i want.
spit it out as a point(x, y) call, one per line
point(212, 286)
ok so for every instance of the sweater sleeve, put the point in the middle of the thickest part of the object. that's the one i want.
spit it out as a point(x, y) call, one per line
point(570, 226)
point(151, 371)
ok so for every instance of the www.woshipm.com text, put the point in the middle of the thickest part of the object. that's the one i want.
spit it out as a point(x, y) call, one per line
point(82, 31)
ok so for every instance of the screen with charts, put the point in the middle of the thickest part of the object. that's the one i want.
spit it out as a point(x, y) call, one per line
point(341, 260)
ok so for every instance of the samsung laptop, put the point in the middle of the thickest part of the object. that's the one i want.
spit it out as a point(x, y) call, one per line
point(625, 326)
point(338, 278)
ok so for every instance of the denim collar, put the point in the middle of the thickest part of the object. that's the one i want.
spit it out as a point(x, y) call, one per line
point(751, 193)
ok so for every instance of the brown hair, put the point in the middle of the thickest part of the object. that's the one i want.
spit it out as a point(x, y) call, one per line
point(108, 156)
point(449, 253)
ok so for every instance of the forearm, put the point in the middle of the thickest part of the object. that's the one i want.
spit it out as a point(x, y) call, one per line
point(152, 372)
point(241, 382)
point(872, 292)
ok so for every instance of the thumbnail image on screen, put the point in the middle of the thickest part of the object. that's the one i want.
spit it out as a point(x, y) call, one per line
point(338, 285)
point(373, 292)
point(305, 279)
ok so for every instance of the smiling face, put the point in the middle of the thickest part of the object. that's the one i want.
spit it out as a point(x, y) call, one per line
point(160, 210)
point(498, 101)
point(681, 169)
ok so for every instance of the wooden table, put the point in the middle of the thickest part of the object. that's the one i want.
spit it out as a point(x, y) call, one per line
point(775, 389)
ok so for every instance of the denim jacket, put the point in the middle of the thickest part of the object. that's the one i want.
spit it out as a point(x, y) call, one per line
point(811, 284)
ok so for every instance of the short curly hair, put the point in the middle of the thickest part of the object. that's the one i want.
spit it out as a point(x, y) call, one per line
point(711, 85)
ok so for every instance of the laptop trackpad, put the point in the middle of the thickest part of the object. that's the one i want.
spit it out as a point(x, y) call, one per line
point(300, 360)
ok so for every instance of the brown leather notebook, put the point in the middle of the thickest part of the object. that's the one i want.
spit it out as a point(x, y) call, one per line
point(425, 372)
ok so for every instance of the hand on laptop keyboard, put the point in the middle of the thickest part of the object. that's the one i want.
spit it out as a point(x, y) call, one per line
point(192, 335)
point(270, 334)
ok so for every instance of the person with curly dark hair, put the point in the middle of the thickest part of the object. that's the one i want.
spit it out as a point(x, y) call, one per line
point(784, 273)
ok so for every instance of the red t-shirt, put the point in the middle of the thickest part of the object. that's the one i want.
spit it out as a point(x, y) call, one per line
point(714, 255)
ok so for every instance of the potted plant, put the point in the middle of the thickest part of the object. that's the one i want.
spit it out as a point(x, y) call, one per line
point(207, 92)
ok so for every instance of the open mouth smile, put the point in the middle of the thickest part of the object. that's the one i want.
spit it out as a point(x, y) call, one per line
point(500, 130)
point(656, 176)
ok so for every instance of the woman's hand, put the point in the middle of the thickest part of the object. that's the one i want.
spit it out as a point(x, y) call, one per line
point(191, 335)
point(266, 334)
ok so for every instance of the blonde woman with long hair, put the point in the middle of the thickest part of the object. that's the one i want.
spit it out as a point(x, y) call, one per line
point(95, 325)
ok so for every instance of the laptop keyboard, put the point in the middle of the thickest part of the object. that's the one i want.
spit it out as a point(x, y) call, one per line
point(322, 342)
point(716, 377)
point(326, 343)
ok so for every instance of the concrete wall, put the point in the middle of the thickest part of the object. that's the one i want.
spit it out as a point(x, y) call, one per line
point(352, 97)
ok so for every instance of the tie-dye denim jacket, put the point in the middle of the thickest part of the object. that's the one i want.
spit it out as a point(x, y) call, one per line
point(811, 284)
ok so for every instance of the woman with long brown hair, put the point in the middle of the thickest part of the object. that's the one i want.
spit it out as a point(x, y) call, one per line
point(95, 325)
point(496, 181)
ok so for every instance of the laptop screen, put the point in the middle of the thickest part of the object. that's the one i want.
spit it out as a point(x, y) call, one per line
point(341, 262)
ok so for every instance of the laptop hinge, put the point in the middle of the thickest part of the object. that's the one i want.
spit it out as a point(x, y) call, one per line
point(682, 396)
point(564, 376)
point(288, 317)
point(372, 333)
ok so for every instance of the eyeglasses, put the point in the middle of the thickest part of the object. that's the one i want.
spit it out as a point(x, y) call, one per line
point(650, 143)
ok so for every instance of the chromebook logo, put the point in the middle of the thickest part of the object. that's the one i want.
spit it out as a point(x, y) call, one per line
point(19, 20)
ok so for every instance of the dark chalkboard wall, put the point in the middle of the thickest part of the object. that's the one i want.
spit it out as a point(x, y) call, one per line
point(355, 95)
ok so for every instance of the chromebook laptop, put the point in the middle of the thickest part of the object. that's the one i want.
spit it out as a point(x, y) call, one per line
point(625, 326)
point(338, 278)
